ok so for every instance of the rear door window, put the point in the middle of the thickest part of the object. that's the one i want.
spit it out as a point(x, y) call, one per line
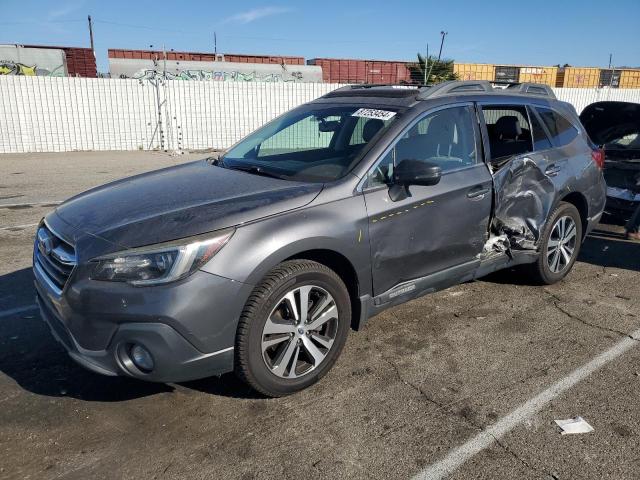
point(562, 131)
point(508, 130)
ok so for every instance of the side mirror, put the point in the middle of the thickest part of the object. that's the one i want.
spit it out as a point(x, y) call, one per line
point(413, 172)
point(416, 172)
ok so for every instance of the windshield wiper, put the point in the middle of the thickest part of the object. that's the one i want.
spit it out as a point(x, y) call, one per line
point(253, 169)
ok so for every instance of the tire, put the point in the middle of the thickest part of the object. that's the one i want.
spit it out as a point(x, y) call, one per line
point(277, 352)
point(545, 270)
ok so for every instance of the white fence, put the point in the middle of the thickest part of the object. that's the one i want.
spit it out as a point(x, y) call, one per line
point(581, 97)
point(48, 114)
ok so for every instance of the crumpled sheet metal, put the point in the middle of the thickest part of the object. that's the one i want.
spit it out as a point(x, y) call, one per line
point(523, 198)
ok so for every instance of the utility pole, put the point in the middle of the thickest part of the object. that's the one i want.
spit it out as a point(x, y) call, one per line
point(215, 46)
point(91, 34)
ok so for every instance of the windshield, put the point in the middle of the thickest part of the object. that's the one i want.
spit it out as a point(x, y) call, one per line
point(313, 143)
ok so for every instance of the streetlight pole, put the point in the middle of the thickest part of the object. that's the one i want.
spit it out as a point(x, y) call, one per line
point(443, 34)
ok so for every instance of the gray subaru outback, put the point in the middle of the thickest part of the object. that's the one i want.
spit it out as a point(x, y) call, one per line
point(261, 260)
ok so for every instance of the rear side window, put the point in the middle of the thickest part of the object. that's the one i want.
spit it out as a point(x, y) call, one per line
point(561, 130)
point(508, 129)
point(540, 139)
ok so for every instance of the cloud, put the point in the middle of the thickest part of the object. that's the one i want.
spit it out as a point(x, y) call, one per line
point(63, 11)
point(255, 14)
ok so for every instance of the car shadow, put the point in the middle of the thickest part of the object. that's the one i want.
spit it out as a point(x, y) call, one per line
point(36, 362)
point(603, 247)
point(607, 248)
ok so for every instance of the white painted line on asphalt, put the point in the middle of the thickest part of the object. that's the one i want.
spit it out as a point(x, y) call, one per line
point(16, 227)
point(14, 311)
point(459, 455)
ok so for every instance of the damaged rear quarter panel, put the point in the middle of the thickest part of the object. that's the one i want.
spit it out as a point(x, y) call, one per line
point(526, 192)
point(524, 196)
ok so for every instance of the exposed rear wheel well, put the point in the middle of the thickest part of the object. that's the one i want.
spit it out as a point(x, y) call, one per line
point(343, 267)
point(578, 201)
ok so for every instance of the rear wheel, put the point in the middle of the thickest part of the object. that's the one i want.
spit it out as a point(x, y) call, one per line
point(559, 245)
point(293, 328)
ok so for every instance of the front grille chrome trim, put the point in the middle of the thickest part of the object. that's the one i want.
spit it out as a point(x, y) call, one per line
point(43, 278)
point(54, 259)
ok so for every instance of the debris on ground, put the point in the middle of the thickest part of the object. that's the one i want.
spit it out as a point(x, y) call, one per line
point(574, 425)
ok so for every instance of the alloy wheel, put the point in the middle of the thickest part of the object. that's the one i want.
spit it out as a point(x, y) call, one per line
point(562, 244)
point(299, 332)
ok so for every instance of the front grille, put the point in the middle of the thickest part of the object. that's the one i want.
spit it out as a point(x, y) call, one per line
point(55, 257)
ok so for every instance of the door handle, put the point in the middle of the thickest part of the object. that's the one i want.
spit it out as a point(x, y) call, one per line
point(477, 192)
point(552, 170)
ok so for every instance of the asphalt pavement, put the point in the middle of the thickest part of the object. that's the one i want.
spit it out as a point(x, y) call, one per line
point(465, 383)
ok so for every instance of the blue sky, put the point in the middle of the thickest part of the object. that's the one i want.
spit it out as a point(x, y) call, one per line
point(522, 32)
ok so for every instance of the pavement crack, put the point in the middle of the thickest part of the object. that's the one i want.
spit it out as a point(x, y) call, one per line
point(557, 303)
point(515, 455)
point(417, 388)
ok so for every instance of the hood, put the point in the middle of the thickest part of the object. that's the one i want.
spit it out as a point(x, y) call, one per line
point(178, 202)
point(605, 122)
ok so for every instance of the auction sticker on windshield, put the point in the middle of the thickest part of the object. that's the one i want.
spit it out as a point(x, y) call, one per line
point(373, 113)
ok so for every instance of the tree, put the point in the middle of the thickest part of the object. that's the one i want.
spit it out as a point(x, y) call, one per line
point(438, 70)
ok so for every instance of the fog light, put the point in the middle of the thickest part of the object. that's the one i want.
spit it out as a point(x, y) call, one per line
point(141, 358)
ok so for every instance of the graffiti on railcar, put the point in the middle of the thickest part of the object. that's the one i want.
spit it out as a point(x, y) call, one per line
point(216, 76)
point(9, 67)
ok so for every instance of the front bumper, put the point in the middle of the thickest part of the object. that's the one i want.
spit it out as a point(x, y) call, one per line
point(188, 327)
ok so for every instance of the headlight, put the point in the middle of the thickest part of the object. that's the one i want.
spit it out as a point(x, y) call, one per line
point(160, 263)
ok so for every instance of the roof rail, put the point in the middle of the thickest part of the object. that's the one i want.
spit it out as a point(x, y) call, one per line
point(361, 86)
point(376, 90)
point(529, 88)
point(455, 86)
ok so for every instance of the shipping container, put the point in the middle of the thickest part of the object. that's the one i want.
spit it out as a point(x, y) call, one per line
point(578, 77)
point(610, 78)
point(592, 77)
point(630, 78)
point(474, 71)
point(544, 75)
point(204, 57)
point(81, 62)
point(343, 70)
point(506, 73)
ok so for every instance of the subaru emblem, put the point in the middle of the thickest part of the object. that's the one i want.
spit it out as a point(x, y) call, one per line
point(45, 242)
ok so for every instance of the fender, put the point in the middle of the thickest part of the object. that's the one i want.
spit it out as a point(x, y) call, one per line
point(339, 226)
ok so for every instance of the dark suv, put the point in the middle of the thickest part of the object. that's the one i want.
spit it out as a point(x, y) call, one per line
point(262, 259)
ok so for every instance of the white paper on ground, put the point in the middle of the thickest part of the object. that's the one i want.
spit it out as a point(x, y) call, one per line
point(574, 425)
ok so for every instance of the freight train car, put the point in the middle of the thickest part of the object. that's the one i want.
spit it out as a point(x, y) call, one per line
point(47, 60)
point(204, 57)
point(343, 70)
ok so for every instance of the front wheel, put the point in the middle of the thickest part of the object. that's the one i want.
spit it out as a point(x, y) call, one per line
point(559, 245)
point(293, 328)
